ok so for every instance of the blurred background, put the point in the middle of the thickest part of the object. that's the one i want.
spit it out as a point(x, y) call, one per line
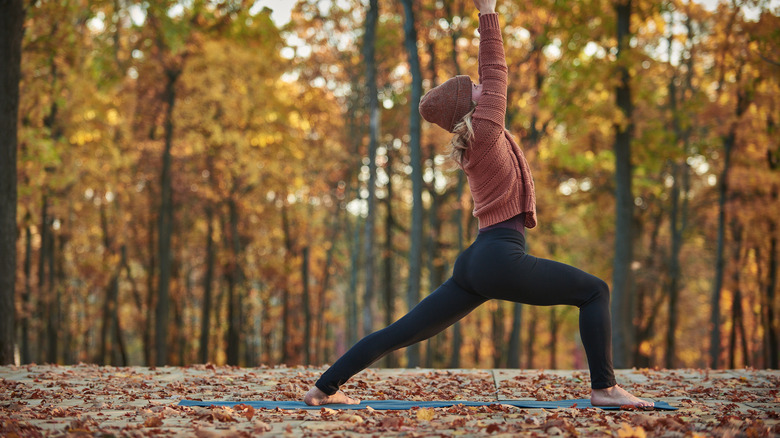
point(250, 183)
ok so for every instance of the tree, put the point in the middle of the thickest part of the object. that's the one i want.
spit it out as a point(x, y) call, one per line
point(11, 32)
point(369, 55)
point(415, 249)
point(622, 289)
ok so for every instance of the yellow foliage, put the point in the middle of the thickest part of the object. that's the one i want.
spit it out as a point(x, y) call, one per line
point(645, 348)
point(112, 117)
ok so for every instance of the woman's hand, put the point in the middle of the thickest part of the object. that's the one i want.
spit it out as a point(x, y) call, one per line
point(485, 6)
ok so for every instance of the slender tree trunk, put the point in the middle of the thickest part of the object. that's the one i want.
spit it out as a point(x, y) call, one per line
point(351, 296)
point(121, 349)
point(679, 210)
point(729, 140)
point(553, 339)
point(415, 249)
point(676, 226)
point(497, 320)
point(647, 290)
point(208, 280)
point(287, 332)
point(110, 311)
point(622, 294)
point(43, 292)
point(457, 219)
point(11, 32)
point(234, 287)
point(369, 53)
point(307, 315)
point(433, 259)
point(321, 337)
point(165, 225)
point(737, 319)
point(771, 326)
point(391, 360)
point(180, 339)
point(53, 312)
point(719, 262)
point(515, 342)
point(148, 323)
point(26, 305)
point(532, 329)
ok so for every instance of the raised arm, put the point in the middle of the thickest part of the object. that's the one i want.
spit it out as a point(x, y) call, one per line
point(484, 7)
point(492, 69)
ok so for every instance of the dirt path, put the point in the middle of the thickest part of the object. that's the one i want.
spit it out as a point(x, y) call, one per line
point(138, 401)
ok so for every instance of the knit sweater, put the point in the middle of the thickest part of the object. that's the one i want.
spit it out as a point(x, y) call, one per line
point(498, 174)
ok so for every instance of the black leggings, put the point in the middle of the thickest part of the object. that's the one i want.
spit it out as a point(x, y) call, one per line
point(494, 266)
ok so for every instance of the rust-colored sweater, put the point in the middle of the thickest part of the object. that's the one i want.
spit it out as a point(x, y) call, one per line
point(498, 173)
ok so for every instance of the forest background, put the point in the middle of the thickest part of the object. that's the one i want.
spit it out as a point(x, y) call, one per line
point(197, 183)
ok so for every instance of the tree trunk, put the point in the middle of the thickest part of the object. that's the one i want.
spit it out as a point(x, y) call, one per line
point(676, 226)
point(321, 337)
point(351, 296)
point(391, 360)
point(737, 319)
point(415, 248)
point(497, 324)
point(208, 280)
point(287, 332)
point(43, 290)
point(307, 316)
point(678, 216)
point(515, 342)
point(622, 293)
point(234, 288)
point(729, 140)
point(26, 305)
point(771, 327)
point(431, 242)
point(553, 339)
point(529, 346)
point(121, 349)
point(53, 311)
point(110, 307)
point(165, 225)
point(369, 53)
point(457, 218)
point(11, 32)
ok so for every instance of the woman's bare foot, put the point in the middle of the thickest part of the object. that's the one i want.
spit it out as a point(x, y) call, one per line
point(315, 397)
point(617, 396)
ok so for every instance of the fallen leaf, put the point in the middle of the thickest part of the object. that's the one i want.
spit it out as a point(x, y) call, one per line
point(628, 431)
point(425, 414)
point(153, 422)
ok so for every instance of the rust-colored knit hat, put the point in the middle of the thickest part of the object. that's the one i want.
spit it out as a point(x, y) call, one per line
point(446, 104)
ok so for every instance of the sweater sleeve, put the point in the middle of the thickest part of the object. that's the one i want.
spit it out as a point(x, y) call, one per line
point(493, 73)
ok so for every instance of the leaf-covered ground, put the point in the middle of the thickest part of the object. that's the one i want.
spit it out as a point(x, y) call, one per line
point(87, 400)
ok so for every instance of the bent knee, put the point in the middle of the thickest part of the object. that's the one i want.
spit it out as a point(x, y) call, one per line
point(599, 292)
point(601, 289)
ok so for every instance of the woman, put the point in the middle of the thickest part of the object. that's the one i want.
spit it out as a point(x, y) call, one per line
point(495, 266)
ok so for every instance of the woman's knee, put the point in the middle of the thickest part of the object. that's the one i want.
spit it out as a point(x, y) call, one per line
point(601, 289)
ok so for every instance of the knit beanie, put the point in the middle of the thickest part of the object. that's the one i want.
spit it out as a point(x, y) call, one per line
point(446, 104)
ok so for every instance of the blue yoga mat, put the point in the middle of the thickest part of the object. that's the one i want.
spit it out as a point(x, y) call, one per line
point(397, 405)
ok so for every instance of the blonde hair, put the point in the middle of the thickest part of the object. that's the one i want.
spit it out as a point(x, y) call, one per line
point(463, 133)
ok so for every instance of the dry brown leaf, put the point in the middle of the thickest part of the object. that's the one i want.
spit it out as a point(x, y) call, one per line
point(153, 422)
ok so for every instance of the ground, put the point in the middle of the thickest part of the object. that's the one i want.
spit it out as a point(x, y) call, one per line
point(87, 400)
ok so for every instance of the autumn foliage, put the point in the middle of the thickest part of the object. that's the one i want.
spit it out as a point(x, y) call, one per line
point(193, 178)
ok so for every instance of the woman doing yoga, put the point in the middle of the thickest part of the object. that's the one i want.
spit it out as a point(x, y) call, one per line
point(496, 265)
